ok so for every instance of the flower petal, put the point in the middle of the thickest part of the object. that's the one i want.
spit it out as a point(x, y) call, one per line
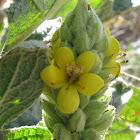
point(63, 56)
point(113, 67)
point(89, 84)
point(68, 99)
point(107, 32)
point(53, 76)
point(113, 48)
point(85, 60)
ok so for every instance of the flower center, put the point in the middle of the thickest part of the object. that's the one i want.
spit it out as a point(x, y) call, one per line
point(73, 72)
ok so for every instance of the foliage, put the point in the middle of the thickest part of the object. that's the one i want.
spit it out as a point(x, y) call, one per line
point(24, 133)
point(98, 5)
point(24, 17)
point(20, 79)
point(122, 4)
point(21, 63)
point(130, 117)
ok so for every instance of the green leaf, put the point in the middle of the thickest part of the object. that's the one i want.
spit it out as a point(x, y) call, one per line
point(24, 133)
point(104, 10)
point(65, 9)
point(120, 131)
point(122, 4)
point(130, 117)
point(121, 96)
point(25, 16)
point(20, 83)
point(131, 112)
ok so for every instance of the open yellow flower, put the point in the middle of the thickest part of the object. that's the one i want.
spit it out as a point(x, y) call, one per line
point(73, 77)
point(112, 66)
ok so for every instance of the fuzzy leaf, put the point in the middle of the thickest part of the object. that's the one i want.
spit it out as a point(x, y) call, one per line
point(121, 97)
point(24, 133)
point(25, 16)
point(20, 82)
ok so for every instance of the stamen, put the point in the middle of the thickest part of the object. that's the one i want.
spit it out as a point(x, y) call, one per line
point(121, 74)
point(124, 62)
point(121, 56)
point(83, 87)
point(52, 83)
point(80, 70)
point(73, 65)
point(66, 66)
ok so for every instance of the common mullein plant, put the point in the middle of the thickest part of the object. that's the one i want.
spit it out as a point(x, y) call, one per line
point(82, 58)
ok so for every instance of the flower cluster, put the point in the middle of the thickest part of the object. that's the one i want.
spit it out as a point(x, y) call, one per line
point(73, 77)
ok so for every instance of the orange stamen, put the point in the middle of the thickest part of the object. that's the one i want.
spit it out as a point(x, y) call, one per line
point(73, 65)
point(66, 66)
point(80, 70)
point(121, 74)
point(52, 83)
point(83, 87)
point(121, 56)
point(124, 62)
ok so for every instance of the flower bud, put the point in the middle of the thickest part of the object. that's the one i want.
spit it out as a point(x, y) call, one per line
point(90, 134)
point(104, 121)
point(82, 28)
point(50, 111)
point(94, 110)
point(77, 121)
point(61, 133)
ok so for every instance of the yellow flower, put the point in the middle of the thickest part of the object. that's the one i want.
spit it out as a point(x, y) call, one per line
point(112, 66)
point(73, 77)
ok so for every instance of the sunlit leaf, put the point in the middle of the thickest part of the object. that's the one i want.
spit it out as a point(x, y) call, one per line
point(20, 83)
point(25, 16)
point(120, 131)
point(24, 133)
point(131, 112)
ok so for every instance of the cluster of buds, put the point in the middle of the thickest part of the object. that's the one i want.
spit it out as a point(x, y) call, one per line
point(83, 61)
